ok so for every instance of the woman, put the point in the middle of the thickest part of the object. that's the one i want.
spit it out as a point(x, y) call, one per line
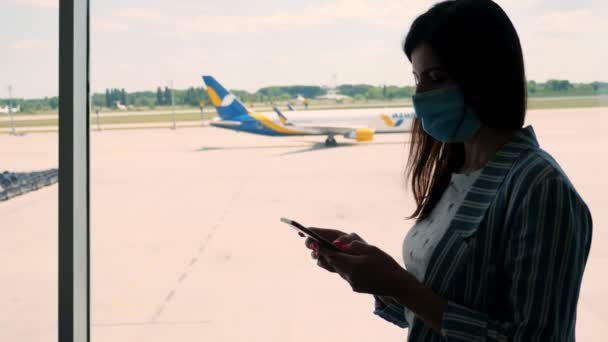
point(501, 236)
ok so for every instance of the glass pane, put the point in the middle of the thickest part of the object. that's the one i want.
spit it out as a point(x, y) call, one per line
point(186, 199)
point(28, 170)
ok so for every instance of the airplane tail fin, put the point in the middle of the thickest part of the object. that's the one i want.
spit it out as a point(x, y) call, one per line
point(227, 105)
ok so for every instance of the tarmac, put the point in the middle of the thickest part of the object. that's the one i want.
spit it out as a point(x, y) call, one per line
point(187, 243)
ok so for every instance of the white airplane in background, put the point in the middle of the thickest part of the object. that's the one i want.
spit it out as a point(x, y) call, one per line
point(120, 106)
point(7, 109)
point(357, 124)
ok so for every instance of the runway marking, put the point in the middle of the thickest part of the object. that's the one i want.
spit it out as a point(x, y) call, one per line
point(157, 314)
point(202, 246)
point(170, 296)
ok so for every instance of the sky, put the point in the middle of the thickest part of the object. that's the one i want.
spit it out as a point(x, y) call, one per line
point(143, 44)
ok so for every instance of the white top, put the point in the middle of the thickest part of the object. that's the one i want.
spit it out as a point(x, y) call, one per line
point(421, 239)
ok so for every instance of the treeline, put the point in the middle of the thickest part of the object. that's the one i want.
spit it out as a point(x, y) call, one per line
point(277, 93)
point(368, 92)
point(194, 96)
point(162, 97)
point(565, 87)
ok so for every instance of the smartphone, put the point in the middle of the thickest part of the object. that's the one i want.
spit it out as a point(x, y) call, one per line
point(316, 237)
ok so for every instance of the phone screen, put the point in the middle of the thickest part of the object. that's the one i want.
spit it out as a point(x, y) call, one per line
point(322, 241)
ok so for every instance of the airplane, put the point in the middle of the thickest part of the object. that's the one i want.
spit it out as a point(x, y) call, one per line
point(358, 124)
point(8, 109)
point(120, 106)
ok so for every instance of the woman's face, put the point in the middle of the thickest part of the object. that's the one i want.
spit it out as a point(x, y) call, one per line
point(428, 72)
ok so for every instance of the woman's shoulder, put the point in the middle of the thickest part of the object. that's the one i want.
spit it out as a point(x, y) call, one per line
point(535, 165)
point(535, 168)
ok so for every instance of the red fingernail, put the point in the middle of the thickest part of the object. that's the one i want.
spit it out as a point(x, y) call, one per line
point(302, 235)
point(340, 244)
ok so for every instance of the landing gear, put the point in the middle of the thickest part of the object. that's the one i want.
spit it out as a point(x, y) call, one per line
point(331, 141)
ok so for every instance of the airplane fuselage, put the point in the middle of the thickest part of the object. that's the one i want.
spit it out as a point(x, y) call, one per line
point(393, 120)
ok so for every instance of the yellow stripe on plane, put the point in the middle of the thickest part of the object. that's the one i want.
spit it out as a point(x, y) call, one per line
point(387, 120)
point(215, 99)
point(273, 126)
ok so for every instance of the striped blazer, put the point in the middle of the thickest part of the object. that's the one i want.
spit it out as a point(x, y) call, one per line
point(512, 260)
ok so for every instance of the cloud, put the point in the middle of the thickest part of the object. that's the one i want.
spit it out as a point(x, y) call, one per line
point(389, 13)
point(25, 44)
point(53, 4)
point(137, 14)
point(108, 26)
point(121, 19)
point(578, 22)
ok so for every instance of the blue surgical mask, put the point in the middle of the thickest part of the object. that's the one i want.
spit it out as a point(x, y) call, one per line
point(445, 116)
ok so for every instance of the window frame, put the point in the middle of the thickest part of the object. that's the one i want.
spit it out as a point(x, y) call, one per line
point(73, 225)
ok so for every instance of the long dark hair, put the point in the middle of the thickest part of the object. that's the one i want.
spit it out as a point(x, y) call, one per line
point(479, 48)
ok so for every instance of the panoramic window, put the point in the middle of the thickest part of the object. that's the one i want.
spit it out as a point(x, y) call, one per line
point(212, 121)
point(29, 170)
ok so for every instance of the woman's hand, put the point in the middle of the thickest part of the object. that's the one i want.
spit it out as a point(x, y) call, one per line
point(369, 270)
point(339, 238)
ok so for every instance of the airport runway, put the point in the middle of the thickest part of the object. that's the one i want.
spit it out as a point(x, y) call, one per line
point(187, 243)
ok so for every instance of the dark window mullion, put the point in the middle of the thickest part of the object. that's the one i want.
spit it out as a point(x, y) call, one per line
point(73, 258)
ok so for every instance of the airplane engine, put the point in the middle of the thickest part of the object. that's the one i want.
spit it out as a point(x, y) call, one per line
point(361, 134)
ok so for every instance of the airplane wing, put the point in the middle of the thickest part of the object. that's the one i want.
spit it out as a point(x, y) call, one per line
point(329, 129)
point(357, 132)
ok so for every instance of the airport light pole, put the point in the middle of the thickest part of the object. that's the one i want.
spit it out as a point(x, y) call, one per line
point(96, 108)
point(98, 121)
point(10, 109)
point(172, 104)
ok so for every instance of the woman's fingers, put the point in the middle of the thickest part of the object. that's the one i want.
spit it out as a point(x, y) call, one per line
point(311, 244)
point(328, 234)
point(348, 239)
point(356, 237)
point(322, 262)
point(343, 239)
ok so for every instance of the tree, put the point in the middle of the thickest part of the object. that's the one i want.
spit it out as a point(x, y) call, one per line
point(167, 96)
point(531, 87)
point(116, 95)
point(559, 85)
point(108, 99)
point(354, 90)
point(159, 97)
point(123, 97)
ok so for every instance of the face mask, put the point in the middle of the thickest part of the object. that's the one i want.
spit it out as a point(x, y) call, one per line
point(445, 116)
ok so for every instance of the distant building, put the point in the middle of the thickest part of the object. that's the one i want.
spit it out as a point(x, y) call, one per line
point(332, 91)
point(332, 94)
